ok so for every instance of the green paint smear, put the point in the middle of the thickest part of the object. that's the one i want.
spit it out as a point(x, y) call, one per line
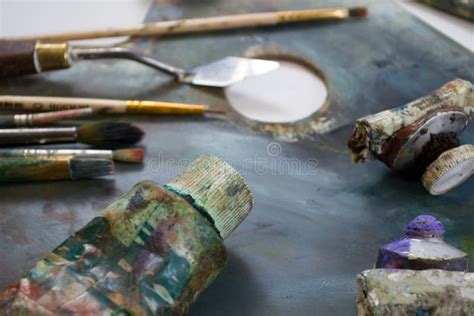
point(467, 245)
point(195, 204)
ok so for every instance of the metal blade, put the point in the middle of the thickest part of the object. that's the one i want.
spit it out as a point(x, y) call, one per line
point(226, 71)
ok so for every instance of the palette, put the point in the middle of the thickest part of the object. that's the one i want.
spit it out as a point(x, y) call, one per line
point(318, 220)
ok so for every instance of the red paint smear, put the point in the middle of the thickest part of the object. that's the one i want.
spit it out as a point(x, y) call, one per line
point(57, 212)
point(31, 289)
point(20, 238)
point(138, 154)
point(10, 291)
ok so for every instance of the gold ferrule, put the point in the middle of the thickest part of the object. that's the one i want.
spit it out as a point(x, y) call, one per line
point(51, 56)
point(164, 108)
point(309, 15)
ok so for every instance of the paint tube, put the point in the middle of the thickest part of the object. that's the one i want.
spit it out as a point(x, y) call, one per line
point(153, 251)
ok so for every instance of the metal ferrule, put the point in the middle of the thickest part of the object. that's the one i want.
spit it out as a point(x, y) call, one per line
point(89, 153)
point(37, 119)
point(51, 56)
point(57, 153)
point(31, 169)
point(37, 135)
point(23, 120)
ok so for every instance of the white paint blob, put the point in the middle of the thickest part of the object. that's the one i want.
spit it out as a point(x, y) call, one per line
point(290, 93)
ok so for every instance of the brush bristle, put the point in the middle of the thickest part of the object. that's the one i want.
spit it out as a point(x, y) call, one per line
point(110, 134)
point(84, 168)
point(132, 155)
point(361, 11)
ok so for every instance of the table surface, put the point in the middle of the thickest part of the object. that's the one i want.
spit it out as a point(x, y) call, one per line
point(309, 233)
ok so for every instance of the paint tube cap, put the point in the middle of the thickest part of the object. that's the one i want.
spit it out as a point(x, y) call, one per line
point(425, 226)
point(450, 170)
point(422, 248)
point(217, 189)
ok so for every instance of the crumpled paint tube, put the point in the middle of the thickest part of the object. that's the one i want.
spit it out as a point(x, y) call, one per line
point(419, 274)
point(372, 132)
point(383, 292)
point(153, 251)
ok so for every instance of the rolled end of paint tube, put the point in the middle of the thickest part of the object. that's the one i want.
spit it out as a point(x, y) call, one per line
point(450, 170)
point(217, 190)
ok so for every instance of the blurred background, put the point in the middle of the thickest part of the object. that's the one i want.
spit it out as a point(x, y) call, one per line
point(21, 17)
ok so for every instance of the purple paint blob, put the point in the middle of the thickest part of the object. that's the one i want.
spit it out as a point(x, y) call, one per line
point(425, 226)
point(399, 246)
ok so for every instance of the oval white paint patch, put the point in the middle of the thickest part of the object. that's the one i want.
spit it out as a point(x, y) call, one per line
point(288, 94)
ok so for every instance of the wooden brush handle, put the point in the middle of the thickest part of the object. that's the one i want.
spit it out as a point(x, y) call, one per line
point(40, 103)
point(205, 24)
point(17, 58)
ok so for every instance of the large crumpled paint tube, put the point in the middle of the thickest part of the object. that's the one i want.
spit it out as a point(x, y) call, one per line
point(153, 251)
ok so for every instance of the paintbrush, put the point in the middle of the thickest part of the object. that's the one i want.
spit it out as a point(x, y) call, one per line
point(38, 119)
point(103, 134)
point(37, 103)
point(42, 169)
point(131, 155)
point(208, 24)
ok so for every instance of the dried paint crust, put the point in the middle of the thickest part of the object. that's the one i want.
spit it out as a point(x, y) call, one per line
point(29, 169)
point(372, 132)
point(149, 253)
point(409, 292)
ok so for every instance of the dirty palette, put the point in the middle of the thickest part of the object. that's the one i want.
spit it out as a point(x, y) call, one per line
point(318, 220)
